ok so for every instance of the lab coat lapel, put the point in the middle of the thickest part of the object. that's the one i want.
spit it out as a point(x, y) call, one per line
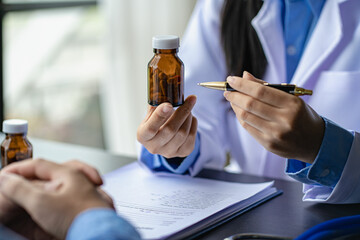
point(325, 39)
point(268, 26)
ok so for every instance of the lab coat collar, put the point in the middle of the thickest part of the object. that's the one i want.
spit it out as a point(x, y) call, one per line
point(268, 26)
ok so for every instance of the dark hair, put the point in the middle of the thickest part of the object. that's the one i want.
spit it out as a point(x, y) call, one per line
point(242, 48)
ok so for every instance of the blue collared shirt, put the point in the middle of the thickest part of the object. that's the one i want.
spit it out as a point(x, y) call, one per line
point(299, 20)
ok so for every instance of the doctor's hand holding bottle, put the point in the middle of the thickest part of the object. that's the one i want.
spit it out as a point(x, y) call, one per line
point(168, 132)
point(283, 123)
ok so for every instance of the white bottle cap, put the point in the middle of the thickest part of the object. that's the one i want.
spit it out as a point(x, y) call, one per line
point(165, 42)
point(14, 126)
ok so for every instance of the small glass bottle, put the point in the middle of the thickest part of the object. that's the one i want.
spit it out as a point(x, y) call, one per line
point(166, 72)
point(16, 146)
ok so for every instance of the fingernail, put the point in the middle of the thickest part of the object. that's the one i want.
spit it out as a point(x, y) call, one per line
point(247, 75)
point(167, 108)
point(226, 94)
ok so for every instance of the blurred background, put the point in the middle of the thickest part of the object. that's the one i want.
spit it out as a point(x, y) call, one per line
point(77, 70)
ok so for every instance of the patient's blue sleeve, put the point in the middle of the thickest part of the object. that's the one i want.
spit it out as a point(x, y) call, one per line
point(101, 223)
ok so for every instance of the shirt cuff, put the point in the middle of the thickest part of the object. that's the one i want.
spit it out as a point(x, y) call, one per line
point(159, 164)
point(101, 223)
point(330, 161)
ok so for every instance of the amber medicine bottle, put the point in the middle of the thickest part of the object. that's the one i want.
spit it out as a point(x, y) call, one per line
point(16, 146)
point(165, 72)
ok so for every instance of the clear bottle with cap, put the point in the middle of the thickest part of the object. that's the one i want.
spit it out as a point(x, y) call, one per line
point(166, 72)
point(16, 146)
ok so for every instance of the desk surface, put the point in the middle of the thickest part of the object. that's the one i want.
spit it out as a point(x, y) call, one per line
point(285, 215)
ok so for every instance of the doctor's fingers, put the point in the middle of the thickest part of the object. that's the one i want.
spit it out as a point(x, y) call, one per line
point(168, 121)
point(269, 95)
point(251, 105)
point(188, 146)
point(171, 148)
point(150, 110)
point(270, 138)
point(250, 77)
point(174, 123)
point(253, 120)
point(151, 125)
point(255, 132)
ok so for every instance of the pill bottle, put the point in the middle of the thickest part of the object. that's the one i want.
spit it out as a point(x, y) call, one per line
point(16, 146)
point(165, 72)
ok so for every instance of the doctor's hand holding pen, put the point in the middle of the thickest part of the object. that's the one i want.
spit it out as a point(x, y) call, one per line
point(168, 132)
point(283, 123)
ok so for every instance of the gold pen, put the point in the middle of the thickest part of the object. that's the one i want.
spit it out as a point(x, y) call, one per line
point(289, 88)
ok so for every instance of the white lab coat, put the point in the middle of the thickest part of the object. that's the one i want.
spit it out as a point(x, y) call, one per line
point(330, 65)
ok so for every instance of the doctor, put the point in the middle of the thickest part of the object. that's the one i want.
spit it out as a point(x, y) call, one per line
point(311, 43)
